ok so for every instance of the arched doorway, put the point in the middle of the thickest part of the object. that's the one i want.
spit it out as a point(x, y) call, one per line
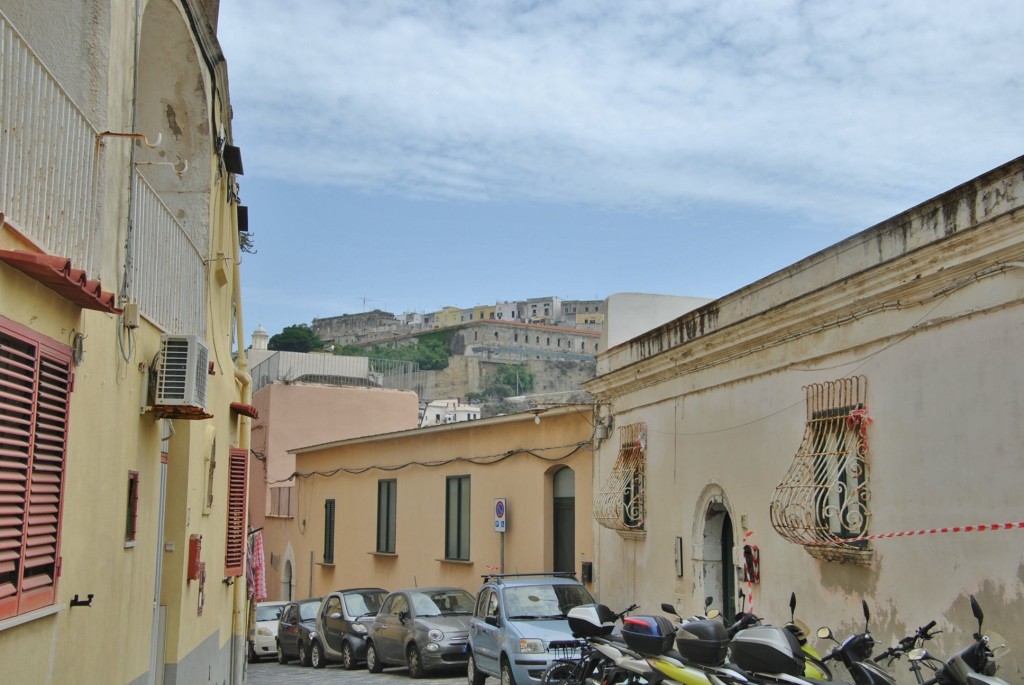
point(564, 534)
point(286, 581)
point(717, 567)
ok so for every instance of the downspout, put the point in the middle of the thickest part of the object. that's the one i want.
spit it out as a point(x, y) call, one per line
point(240, 612)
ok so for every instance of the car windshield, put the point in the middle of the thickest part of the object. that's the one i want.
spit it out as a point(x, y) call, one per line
point(307, 610)
point(268, 612)
point(544, 601)
point(366, 603)
point(442, 602)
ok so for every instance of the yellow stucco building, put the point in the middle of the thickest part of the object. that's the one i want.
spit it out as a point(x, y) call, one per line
point(417, 507)
point(124, 419)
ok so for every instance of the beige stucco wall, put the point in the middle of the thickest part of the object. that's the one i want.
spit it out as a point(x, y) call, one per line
point(934, 327)
point(562, 439)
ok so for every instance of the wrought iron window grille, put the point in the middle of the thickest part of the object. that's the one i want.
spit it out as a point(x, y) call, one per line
point(620, 503)
point(823, 501)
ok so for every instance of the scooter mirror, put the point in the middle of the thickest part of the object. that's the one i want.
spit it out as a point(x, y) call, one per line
point(707, 602)
point(714, 613)
point(668, 608)
point(867, 613)
point(825, 633)
point(978, 614)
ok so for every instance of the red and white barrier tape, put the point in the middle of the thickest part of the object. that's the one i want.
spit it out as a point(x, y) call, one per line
point(925, 531)
point(750, 579)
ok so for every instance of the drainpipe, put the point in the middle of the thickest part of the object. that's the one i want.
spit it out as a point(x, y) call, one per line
point(240, 612)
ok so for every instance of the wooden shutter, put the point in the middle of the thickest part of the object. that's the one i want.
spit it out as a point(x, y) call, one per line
point(234, 554)
point(35, 392)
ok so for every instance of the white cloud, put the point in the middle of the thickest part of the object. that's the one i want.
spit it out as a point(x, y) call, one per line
point(830, 109)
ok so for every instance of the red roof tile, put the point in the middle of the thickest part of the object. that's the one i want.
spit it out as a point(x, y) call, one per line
point(57, 274)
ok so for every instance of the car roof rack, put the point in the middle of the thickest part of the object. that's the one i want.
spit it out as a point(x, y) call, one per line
point(557, 574)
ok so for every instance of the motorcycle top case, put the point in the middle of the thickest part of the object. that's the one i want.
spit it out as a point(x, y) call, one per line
point(591, 620)
point(648, 635)
point(767, 649)
point(703, 642)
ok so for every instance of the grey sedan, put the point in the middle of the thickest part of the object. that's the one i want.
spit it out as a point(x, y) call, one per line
point(425, 629)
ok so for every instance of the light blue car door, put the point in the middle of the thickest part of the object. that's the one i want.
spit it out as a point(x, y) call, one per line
point(486, 637)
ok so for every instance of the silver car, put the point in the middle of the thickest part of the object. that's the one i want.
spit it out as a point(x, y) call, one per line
point(425, 629)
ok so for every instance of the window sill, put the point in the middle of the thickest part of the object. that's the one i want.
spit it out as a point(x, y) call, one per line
point(842, 555)
point(128, 544)
point(462, 562)
point(16, 621)
point(383, 554)
point(632, 534)
point(325, 563)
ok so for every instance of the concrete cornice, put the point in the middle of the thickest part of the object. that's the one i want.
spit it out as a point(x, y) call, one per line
point(897, 265)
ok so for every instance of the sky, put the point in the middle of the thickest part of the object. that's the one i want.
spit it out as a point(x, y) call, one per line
point(412, 155)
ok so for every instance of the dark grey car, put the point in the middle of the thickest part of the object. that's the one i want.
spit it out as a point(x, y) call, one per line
point(425, 629)
point(296, 628)
point(342, 623)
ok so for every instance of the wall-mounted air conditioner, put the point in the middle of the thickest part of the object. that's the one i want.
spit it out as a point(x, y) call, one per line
point(181, 375)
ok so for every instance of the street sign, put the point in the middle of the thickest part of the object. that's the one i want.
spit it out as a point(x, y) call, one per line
point(500, 514)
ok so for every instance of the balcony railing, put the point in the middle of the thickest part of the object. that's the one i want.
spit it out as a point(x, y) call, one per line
point(49, 185)
point(48, 155)
point(168, 275)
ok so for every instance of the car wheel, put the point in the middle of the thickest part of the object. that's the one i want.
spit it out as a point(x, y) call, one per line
point(316, 655)
point(306, 655)
point(253, 656)
point(506, 673)
point(412, 657)
point(282, 658)
point(373, 665)
point(348, 657)
point(473, 676)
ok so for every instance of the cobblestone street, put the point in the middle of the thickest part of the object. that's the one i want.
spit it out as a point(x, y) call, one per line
point(273, 673)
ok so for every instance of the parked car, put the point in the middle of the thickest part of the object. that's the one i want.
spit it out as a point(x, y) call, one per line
point(425, 629)
point(518, 622)
point(263, 634)
point(342, 623)
point(295, 629)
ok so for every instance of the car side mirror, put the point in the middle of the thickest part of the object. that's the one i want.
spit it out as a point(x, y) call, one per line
point(491, 621)
point(402, 615)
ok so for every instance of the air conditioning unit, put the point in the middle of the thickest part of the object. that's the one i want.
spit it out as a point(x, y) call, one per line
point(181, 376)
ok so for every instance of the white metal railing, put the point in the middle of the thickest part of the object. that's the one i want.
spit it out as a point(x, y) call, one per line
point(48, 157)
point(167, 275)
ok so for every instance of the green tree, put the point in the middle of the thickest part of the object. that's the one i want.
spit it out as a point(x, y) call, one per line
point(516, 377)
point(297, 338)
point(429, 351)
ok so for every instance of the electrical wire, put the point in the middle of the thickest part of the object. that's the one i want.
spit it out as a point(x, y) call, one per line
point(487, 460)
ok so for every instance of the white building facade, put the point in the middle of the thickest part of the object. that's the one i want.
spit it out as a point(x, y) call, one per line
point(769, 441)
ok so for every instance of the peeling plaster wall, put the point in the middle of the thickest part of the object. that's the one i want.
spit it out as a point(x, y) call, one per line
point(929, 307)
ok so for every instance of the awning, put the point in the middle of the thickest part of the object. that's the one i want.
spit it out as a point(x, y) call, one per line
point(245, 410)
point(57, 274)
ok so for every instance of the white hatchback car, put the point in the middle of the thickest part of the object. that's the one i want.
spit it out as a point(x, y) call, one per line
point(263, 635)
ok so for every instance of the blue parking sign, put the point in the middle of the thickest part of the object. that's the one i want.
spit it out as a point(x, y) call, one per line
point(500, 514)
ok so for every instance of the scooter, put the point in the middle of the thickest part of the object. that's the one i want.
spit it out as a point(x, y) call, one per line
point(973, 665)
point(814, 666)
point(855, 653)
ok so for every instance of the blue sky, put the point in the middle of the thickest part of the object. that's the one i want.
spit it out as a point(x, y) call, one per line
point(413, 155)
